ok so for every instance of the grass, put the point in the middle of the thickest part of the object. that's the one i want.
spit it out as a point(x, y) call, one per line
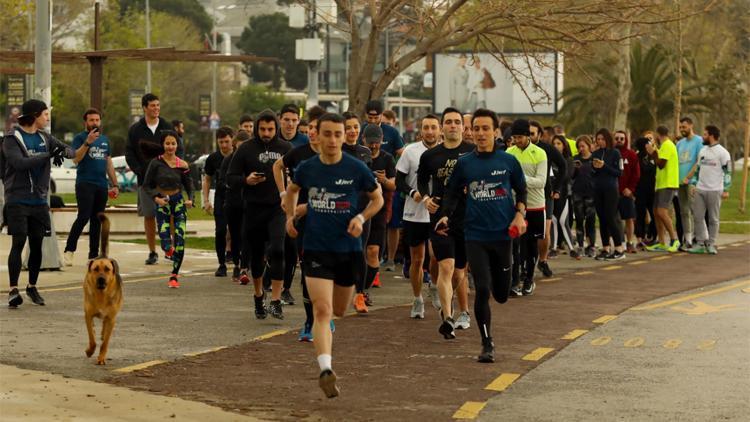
point(730, 209)
point(130, 198)
point(193, 242)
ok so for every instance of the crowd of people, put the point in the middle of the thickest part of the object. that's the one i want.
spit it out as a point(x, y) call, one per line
point(476, 199)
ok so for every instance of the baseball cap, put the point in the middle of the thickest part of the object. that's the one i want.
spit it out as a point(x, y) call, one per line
point(373, 133)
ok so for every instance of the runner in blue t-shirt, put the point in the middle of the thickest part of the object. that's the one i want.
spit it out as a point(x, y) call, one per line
point(94, 165)
point(333, 182)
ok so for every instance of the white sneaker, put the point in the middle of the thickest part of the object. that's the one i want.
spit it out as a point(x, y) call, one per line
point(417, 308)
point(463, 322)
point(68, 259)
point(435, 297)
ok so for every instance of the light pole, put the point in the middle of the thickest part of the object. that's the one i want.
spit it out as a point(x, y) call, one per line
point(148, 45)
point(43, 52)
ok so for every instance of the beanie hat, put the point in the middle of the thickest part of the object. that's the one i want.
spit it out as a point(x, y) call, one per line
point(32, 108)
point(520, 127)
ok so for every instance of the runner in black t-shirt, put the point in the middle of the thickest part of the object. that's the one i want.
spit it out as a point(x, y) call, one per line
point(213, 163)
point(233, 211)
point(435, 167)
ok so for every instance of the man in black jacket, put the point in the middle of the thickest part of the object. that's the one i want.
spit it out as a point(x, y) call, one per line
point(251, 170)
point(144, 145)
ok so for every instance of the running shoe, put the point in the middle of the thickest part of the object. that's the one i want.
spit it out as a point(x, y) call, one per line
point(221, 271)
point(274, 308)
point(591, 251)
point(602, 255)
point(435, 297)
point(698, 249)
point(14, 298)
point(685, 247)
point(305, 334)
point(260, 307)
point(327, 383)
point(488, 352)
point(368, 300)
point(574, 254)
point(711, 249)
point(68, 258)
point(657, 247)
point(614, 256)
point(515, 291)
point(632, 248)
point(553, 253)
point(389, 266)
point(417, 308)
point(286, 297)
point(528, 288)
point(173, 283)
point(359, 303)
point(674, 247)
point(153, 258)
point(236, 274)
point(463, 322)
point(34, 295)
point(447, 329)
point(169, 253)
point(244, 279)
point(545, 269)
point(376, 281)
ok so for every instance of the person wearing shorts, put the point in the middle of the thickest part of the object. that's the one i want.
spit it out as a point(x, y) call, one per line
point(667, 183)
point(331, 247)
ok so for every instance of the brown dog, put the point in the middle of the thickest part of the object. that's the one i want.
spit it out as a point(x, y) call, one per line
point(102, 294)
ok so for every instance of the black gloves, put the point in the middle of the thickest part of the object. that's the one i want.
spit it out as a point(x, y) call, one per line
point(58, 155)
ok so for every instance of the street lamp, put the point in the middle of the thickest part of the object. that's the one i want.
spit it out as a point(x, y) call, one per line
point(311, 49)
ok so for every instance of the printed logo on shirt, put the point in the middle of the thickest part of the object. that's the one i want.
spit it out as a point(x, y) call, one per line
point(498, 172)
point(344, 182)
point(447, 169)
point(268, 157)
point(98, 153)
point(484, 191)
point(327, 202)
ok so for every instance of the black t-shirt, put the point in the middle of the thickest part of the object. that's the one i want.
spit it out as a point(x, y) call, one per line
point(363, 154)
point(384, 161)
point(292, 159)
point(436, 165)
point(231, 199)
point(211, 167)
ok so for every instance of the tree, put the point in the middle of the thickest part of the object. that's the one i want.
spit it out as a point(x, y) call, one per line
point(271, 36)
point(255, 98)
point(191, 10)
point(492, 25)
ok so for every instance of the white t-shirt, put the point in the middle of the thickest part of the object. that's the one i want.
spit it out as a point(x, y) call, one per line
point(153, 128)
point(711, 160)
point(408, 164)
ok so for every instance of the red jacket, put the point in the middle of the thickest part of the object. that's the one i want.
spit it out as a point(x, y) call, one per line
point(631, 171)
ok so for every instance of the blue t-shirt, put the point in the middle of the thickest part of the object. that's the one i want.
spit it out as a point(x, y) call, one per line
point(35, 145)
point(93, 167)
point(332, 201)
point(392, 140)
point(489, 179)
point(298, 140)
point(687, 151)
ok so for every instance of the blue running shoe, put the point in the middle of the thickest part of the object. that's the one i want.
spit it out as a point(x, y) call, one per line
point(305, 334)
point(333, 327)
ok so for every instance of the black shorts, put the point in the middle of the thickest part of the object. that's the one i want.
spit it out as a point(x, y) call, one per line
point(549, 207)
point(451, 246)
point(626, 206)
point(536, 221)
point(416, 234)
point(377, 233)
point(27, 220)
point(342, 268)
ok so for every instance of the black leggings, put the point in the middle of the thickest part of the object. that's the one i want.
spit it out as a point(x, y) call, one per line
point(525, 253)
point(606, 200)
point(490, 265)
point(644, 205)
point(14, 258)
point(585, 213)
point(220, 232)
point(561, 223)
point(234, 222)
point(91, 200)
point(264, 223)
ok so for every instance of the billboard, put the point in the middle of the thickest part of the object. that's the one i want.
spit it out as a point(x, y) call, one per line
point(468, 81)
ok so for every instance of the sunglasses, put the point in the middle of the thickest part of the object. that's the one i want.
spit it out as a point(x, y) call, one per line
point(619, 138)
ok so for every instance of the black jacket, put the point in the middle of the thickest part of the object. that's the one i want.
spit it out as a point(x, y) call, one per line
point(554, 160)
point(143, 146)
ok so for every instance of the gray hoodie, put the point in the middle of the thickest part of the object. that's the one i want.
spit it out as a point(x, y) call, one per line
point(17, 163)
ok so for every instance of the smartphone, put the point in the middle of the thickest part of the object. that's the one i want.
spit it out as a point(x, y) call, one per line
point(577, 163)
point(441, 226)
point(95, 129)
point(260, 174)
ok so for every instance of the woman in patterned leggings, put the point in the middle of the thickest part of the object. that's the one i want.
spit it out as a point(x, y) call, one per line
point(168, 182)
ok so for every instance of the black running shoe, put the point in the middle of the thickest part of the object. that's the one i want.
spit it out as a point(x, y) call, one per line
point(153, 258)
point(260, 307)
point(221, 271)
point(488, 352)
point(447, 329)
point(528, 288)
point(515, 291)
point(590, 252)
point(274, 308)
point(327, 383)
point(614, 256)
point(34, 295)
point(236, 274)
point(575, 254)
point(286, 297)
point(545, 269)
point(602, 256)
point(14, 298)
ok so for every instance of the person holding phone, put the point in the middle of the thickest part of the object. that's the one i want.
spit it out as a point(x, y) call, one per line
point(252, 169)
point(94, 164)
point(607, 169)
point(583, 199)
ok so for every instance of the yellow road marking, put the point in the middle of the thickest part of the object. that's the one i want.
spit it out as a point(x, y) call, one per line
point(612, 267)
point(604, 319)
point(746, 290)
point(203, 352)
point(691, 297)
point(574, 334)
point(137, 280)
point(707, 345)
point(469, 410)
point(584, 273)
point(637, 262)
point(634, 342)
point(502, 382)
point(672, 343)
point(269, 335)
point(601, 341)
point(701, 308)
point(547, 280)
point(139, 366)
point(661, 258)
point(538, 353)
point(736, 244)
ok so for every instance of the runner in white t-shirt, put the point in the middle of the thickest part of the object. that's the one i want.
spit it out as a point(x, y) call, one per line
point(712, 179)
point(416, 218)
